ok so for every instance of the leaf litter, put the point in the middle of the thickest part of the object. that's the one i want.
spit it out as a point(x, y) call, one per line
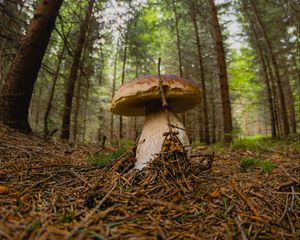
point(51, 192)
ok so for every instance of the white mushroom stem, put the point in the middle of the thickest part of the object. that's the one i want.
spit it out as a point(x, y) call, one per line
point(155, 125)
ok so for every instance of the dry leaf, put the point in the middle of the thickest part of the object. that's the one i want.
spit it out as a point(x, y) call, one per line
point(4, 190)
point(215, 194)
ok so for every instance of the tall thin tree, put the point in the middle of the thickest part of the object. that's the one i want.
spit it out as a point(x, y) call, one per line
point(65, 132)
point(111, 131)
point(264, 66)
point(224, 89)
point(273, 60)
point(178, 45)
point(123, 77)
point(202, 77)
point(53, 87)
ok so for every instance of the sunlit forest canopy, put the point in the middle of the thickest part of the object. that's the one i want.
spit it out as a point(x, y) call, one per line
point(117, 41)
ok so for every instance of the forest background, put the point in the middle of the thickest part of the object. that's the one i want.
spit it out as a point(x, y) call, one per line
point(96, 46)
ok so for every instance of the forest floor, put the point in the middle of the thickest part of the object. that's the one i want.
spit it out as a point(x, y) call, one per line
point(49, 190)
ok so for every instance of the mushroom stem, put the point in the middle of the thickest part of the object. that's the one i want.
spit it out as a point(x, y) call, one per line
point(155, 125)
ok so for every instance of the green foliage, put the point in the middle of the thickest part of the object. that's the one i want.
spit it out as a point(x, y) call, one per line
point(102, 159)
point(266, 166)
point(249, 163)
point(126, 143)
point(250, 143)
point(263, 144)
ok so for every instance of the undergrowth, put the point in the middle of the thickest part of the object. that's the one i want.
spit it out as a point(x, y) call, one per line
point(263, 144)
point(101, 159)
point(249, 163)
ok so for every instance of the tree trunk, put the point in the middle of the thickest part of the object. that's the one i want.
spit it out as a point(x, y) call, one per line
point(178, 44)
point(214, 125)
point(227, 118)
point(1, 66)
point(122, 81)
point(77, 107)
point(87, 97)
point(200, 123)
point(52, 91)
point(178, 40)
point(202, 77)
point(273, 60)
point(65, 134)
point(265, 72)
point(290, 100)
point(18, 87)
point(296, 69)
point(38, 105)
point(113, 93)
point(269, 94)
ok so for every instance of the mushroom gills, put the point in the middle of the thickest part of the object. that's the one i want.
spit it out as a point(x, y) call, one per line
point(151, 139)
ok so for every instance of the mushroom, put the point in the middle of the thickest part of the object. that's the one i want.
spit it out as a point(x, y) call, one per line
point(142, 97)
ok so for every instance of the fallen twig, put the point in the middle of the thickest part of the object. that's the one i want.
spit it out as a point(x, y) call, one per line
point(289, 175)
point(243, 196)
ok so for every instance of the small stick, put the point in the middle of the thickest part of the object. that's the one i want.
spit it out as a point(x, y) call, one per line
point(288, 193)
point(163, 97)
point(286, 184)
point(293, 199)
point(294, 179)
point(240, 227)
point(81, 178)
point(246, 200)
point(285, 209)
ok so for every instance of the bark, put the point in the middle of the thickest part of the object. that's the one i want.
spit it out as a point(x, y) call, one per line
point(290, 101)
point(269, 95)
point(273, 60)
point(113, 93)
point(65, 134)
point(1, 66)
point(78, 93)
point(226, 108)
point(203, 80)
point(52, 91)
point(38, 105)
point(17, 91)
point(87, 97)
point(135, 131)
point(278, 121)
point(296, 69)
point(77, 107)
point(200, 122)
point(214, 125)
point(178, 44)
point(122, 81)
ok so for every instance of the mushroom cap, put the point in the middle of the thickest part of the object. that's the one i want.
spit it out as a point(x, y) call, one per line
point(133, 97)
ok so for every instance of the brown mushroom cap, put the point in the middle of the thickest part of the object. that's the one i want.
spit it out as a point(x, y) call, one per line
point(132, 98)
